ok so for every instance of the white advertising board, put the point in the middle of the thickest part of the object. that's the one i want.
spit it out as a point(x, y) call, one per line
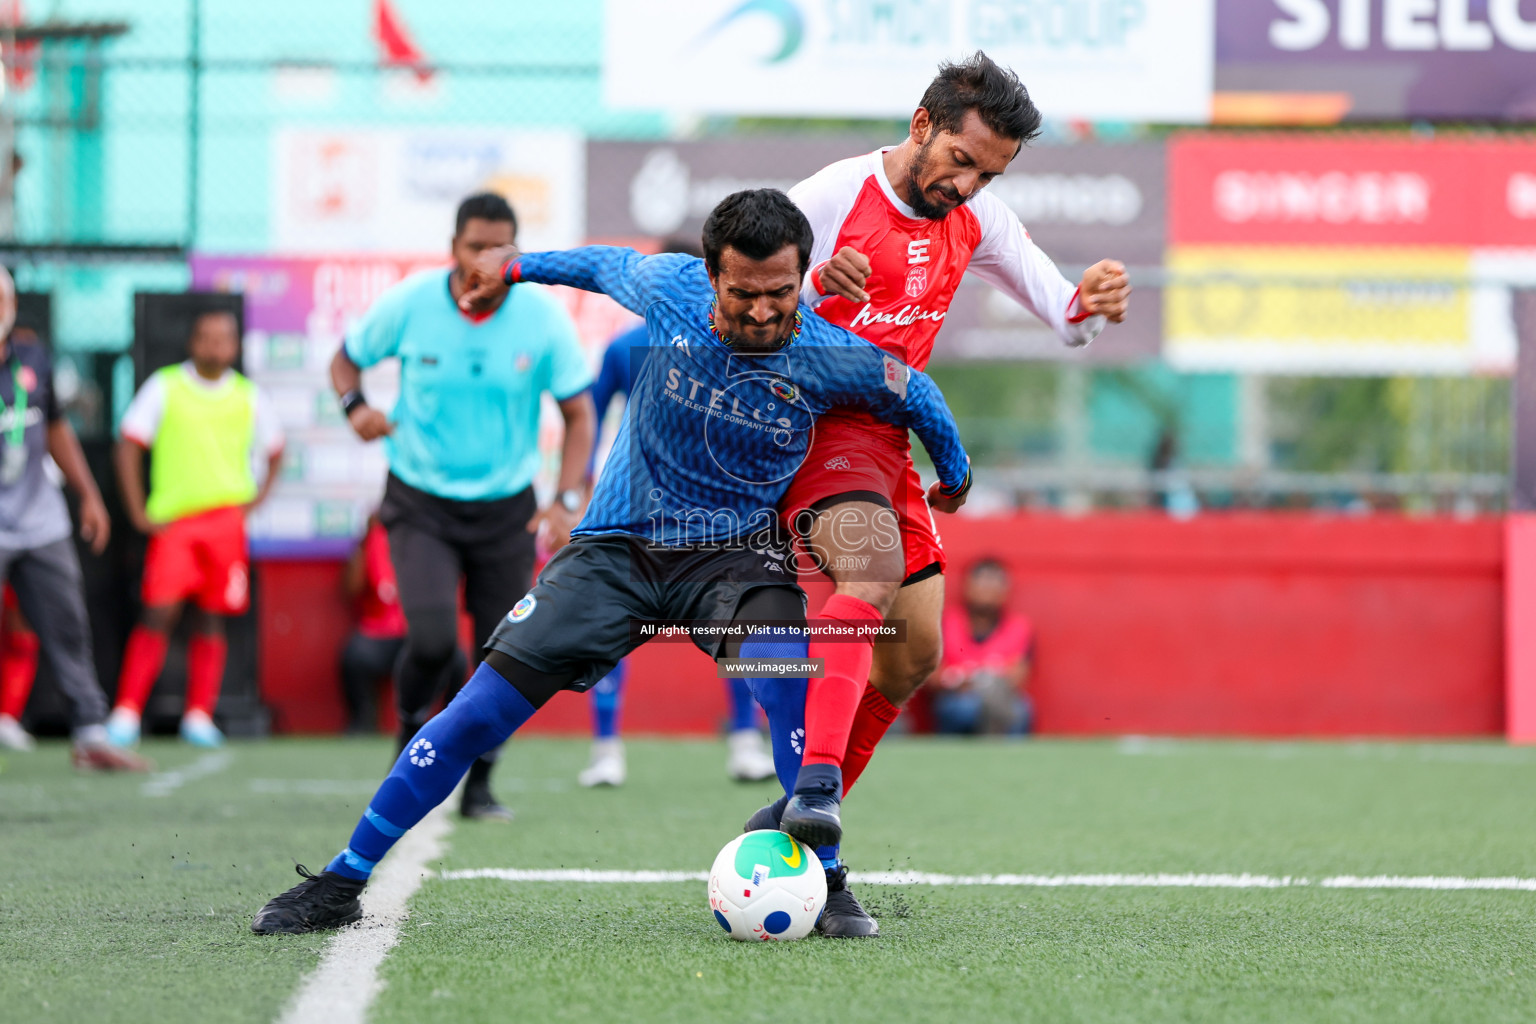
point(1137, 60)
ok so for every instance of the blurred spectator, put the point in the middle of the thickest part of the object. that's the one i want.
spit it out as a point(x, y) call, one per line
point(203, 422)
point(37, 556)
point(1174, 493)
point(980, 685)
point(373, 651)
point(18, 670)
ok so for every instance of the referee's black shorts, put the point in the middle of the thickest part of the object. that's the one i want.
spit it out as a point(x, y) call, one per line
point(583, 614)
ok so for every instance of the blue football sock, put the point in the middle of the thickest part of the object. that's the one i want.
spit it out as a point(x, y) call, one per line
point(743, 707)
point(607, 696)
point(783, 700)
point(484, 714)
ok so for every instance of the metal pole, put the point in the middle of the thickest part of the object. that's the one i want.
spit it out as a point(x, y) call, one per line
point(194, 119)
point(1522, 483)
point(8, 139)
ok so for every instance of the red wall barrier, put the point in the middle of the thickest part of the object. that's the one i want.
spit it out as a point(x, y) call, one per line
point(1256, 625)
point(303, 621)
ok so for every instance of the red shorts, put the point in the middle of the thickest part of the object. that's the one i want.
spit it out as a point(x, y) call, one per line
point(200, 558)
point(858, 464)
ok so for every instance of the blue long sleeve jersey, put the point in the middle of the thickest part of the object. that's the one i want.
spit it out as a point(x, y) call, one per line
point(613, 376)
point(712, 436)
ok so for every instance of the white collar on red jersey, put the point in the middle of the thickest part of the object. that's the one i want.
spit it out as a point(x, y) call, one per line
point(877, 168)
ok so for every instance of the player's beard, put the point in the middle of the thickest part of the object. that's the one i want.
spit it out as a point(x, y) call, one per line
point(921, 205)
point(782, 329)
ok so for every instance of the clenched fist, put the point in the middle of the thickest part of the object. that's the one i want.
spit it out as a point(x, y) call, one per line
point(845, 274)
point(1105, 290)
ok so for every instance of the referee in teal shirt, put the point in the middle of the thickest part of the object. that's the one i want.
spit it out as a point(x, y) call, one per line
point(463, 448)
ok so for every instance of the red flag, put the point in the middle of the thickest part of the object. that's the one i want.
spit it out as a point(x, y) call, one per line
point(20, 61)
point(397, 47)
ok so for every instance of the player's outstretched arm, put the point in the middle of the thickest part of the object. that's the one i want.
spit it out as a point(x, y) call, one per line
point(634, 281)
point(1008, 259)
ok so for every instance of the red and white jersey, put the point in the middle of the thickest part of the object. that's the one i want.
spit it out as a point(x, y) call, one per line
point(917, 264)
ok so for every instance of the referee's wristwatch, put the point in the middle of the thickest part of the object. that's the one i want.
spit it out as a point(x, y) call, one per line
point(569, 499)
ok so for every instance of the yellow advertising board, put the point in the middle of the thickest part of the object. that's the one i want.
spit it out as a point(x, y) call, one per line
point(1368, 310)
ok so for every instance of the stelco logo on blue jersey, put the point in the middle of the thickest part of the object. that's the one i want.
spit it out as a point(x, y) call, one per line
point(737, 417)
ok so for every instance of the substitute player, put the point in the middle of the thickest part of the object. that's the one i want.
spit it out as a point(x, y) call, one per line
point(682, 525)
point(37, 555)
point(746, 760)
point(463, 449)
point(203, 423)
point(896, 231)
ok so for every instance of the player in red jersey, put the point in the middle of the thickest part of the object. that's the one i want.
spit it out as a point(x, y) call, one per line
point(895, 232)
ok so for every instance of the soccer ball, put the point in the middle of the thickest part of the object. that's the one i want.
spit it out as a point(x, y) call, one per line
point(767, 887)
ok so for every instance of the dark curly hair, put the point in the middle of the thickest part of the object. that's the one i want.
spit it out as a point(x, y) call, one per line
point(757, 223)
point(981, 84)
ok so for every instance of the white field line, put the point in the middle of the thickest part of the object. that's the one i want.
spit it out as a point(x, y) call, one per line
point(1275, 750)
point(354, 787)
point(1107, 881)
point(344, 984)
point(166, 783)
point(315, 787)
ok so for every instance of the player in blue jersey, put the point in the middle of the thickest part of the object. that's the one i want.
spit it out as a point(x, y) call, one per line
point(682, 526)
point(747, 759)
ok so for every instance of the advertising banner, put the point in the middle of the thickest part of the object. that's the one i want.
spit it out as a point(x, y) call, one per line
point(1343, 190)
point(1340, 254)
point(396, 190)
point(1080, 204)
point(1339, 310)
point(1096, 59)
point(1386, 60)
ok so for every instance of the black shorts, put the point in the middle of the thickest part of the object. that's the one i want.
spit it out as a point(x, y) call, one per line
point(584, 612)
point(436, 542)
point(494, 524)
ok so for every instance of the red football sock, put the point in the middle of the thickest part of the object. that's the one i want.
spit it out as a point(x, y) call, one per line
point(205, 671)
point(832, 700)
point(870, 723)
point(142, 661)
point(18, 669)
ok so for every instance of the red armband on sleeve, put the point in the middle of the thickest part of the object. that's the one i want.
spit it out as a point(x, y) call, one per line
point(1082, 314)
point(511, 272)
point(816, 277)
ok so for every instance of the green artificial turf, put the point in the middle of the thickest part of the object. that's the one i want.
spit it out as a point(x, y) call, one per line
point(118, 905)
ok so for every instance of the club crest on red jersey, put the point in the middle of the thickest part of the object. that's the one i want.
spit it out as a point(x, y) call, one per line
point(917, 281)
